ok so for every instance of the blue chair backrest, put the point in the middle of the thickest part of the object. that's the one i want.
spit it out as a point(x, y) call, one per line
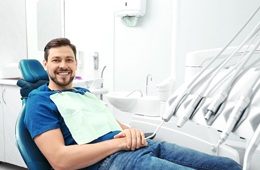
point(34, 75)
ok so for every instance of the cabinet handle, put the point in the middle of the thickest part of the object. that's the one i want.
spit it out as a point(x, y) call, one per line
point(3, 96)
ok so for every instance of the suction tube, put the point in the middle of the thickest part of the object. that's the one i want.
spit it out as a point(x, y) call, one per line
point(251, 147)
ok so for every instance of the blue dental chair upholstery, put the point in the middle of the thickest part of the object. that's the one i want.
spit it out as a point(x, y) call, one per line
point(34, 76)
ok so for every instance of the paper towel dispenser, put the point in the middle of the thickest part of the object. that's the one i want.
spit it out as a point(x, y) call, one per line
point(131, 8)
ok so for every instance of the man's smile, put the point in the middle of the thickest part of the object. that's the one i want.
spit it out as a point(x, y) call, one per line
point(63, 73)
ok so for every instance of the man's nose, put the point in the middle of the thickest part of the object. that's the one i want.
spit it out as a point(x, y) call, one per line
point(63, 64)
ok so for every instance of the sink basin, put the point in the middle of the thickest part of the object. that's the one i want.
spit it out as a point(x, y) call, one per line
point(147, 106)
point(122, 101)
point(134, 103)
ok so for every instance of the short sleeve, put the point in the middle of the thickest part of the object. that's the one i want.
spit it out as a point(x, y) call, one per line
point(40, 114)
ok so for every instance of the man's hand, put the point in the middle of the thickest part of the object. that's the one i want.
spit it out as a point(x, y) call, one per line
point(134, 138)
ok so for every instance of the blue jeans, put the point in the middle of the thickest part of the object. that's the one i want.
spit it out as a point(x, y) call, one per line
point(166, 156)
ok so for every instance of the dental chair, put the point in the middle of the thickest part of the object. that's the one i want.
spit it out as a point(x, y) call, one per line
point(34, 76)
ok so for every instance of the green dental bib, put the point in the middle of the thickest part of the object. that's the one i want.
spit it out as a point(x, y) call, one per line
point(85, 115)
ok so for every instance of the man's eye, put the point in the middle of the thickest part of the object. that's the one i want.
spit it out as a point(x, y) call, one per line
point(69, 60)
point(55, 61)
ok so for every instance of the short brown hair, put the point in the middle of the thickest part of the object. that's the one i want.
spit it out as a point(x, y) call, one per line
point(58, 42)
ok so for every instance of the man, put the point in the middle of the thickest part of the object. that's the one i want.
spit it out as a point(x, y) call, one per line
point(56, 113)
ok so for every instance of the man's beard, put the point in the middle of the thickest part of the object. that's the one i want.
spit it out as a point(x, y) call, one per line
point(61, 83)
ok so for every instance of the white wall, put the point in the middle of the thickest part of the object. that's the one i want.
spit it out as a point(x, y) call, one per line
point(12, 31)
point(203, 24)
point(130, 53)
point(144, 49)
point(90, 26)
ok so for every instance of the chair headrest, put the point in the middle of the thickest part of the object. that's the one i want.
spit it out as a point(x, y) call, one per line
point(33, 74)
point(32, 70)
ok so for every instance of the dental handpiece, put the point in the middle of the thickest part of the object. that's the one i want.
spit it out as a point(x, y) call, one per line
point(239, 108)
point(172, 107)
point(218, 99)
point(189, 110)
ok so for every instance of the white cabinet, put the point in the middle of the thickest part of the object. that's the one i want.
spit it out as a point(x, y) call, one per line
point(11, 106)
point(2, 146)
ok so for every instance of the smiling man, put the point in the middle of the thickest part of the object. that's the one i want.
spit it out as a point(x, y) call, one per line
point(75, 130)
point(61, 64)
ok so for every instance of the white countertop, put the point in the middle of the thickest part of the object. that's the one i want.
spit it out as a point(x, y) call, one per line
point(9, 81)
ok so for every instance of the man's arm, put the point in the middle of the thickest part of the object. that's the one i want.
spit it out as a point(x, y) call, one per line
point(51, 144)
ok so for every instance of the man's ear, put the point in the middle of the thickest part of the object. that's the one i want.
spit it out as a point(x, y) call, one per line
point(44, 63)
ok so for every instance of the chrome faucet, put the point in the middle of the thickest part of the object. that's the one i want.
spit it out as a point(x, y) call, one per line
point(102, 84)
point(102, 73)
point(147, 78)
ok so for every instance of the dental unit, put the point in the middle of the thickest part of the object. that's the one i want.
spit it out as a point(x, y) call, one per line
point(226, 104)
point(222, 96)
point(186, 89)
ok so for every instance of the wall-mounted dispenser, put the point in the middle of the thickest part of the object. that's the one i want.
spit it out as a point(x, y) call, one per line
point(130, 11)
point(131, 8)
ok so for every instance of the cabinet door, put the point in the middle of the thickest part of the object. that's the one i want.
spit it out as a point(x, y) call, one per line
point(12, 106)
point(1, 128)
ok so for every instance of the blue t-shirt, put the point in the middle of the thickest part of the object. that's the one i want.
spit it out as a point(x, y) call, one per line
point(42, 115)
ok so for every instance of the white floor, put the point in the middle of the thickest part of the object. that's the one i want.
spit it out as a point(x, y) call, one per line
point(5, 166)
